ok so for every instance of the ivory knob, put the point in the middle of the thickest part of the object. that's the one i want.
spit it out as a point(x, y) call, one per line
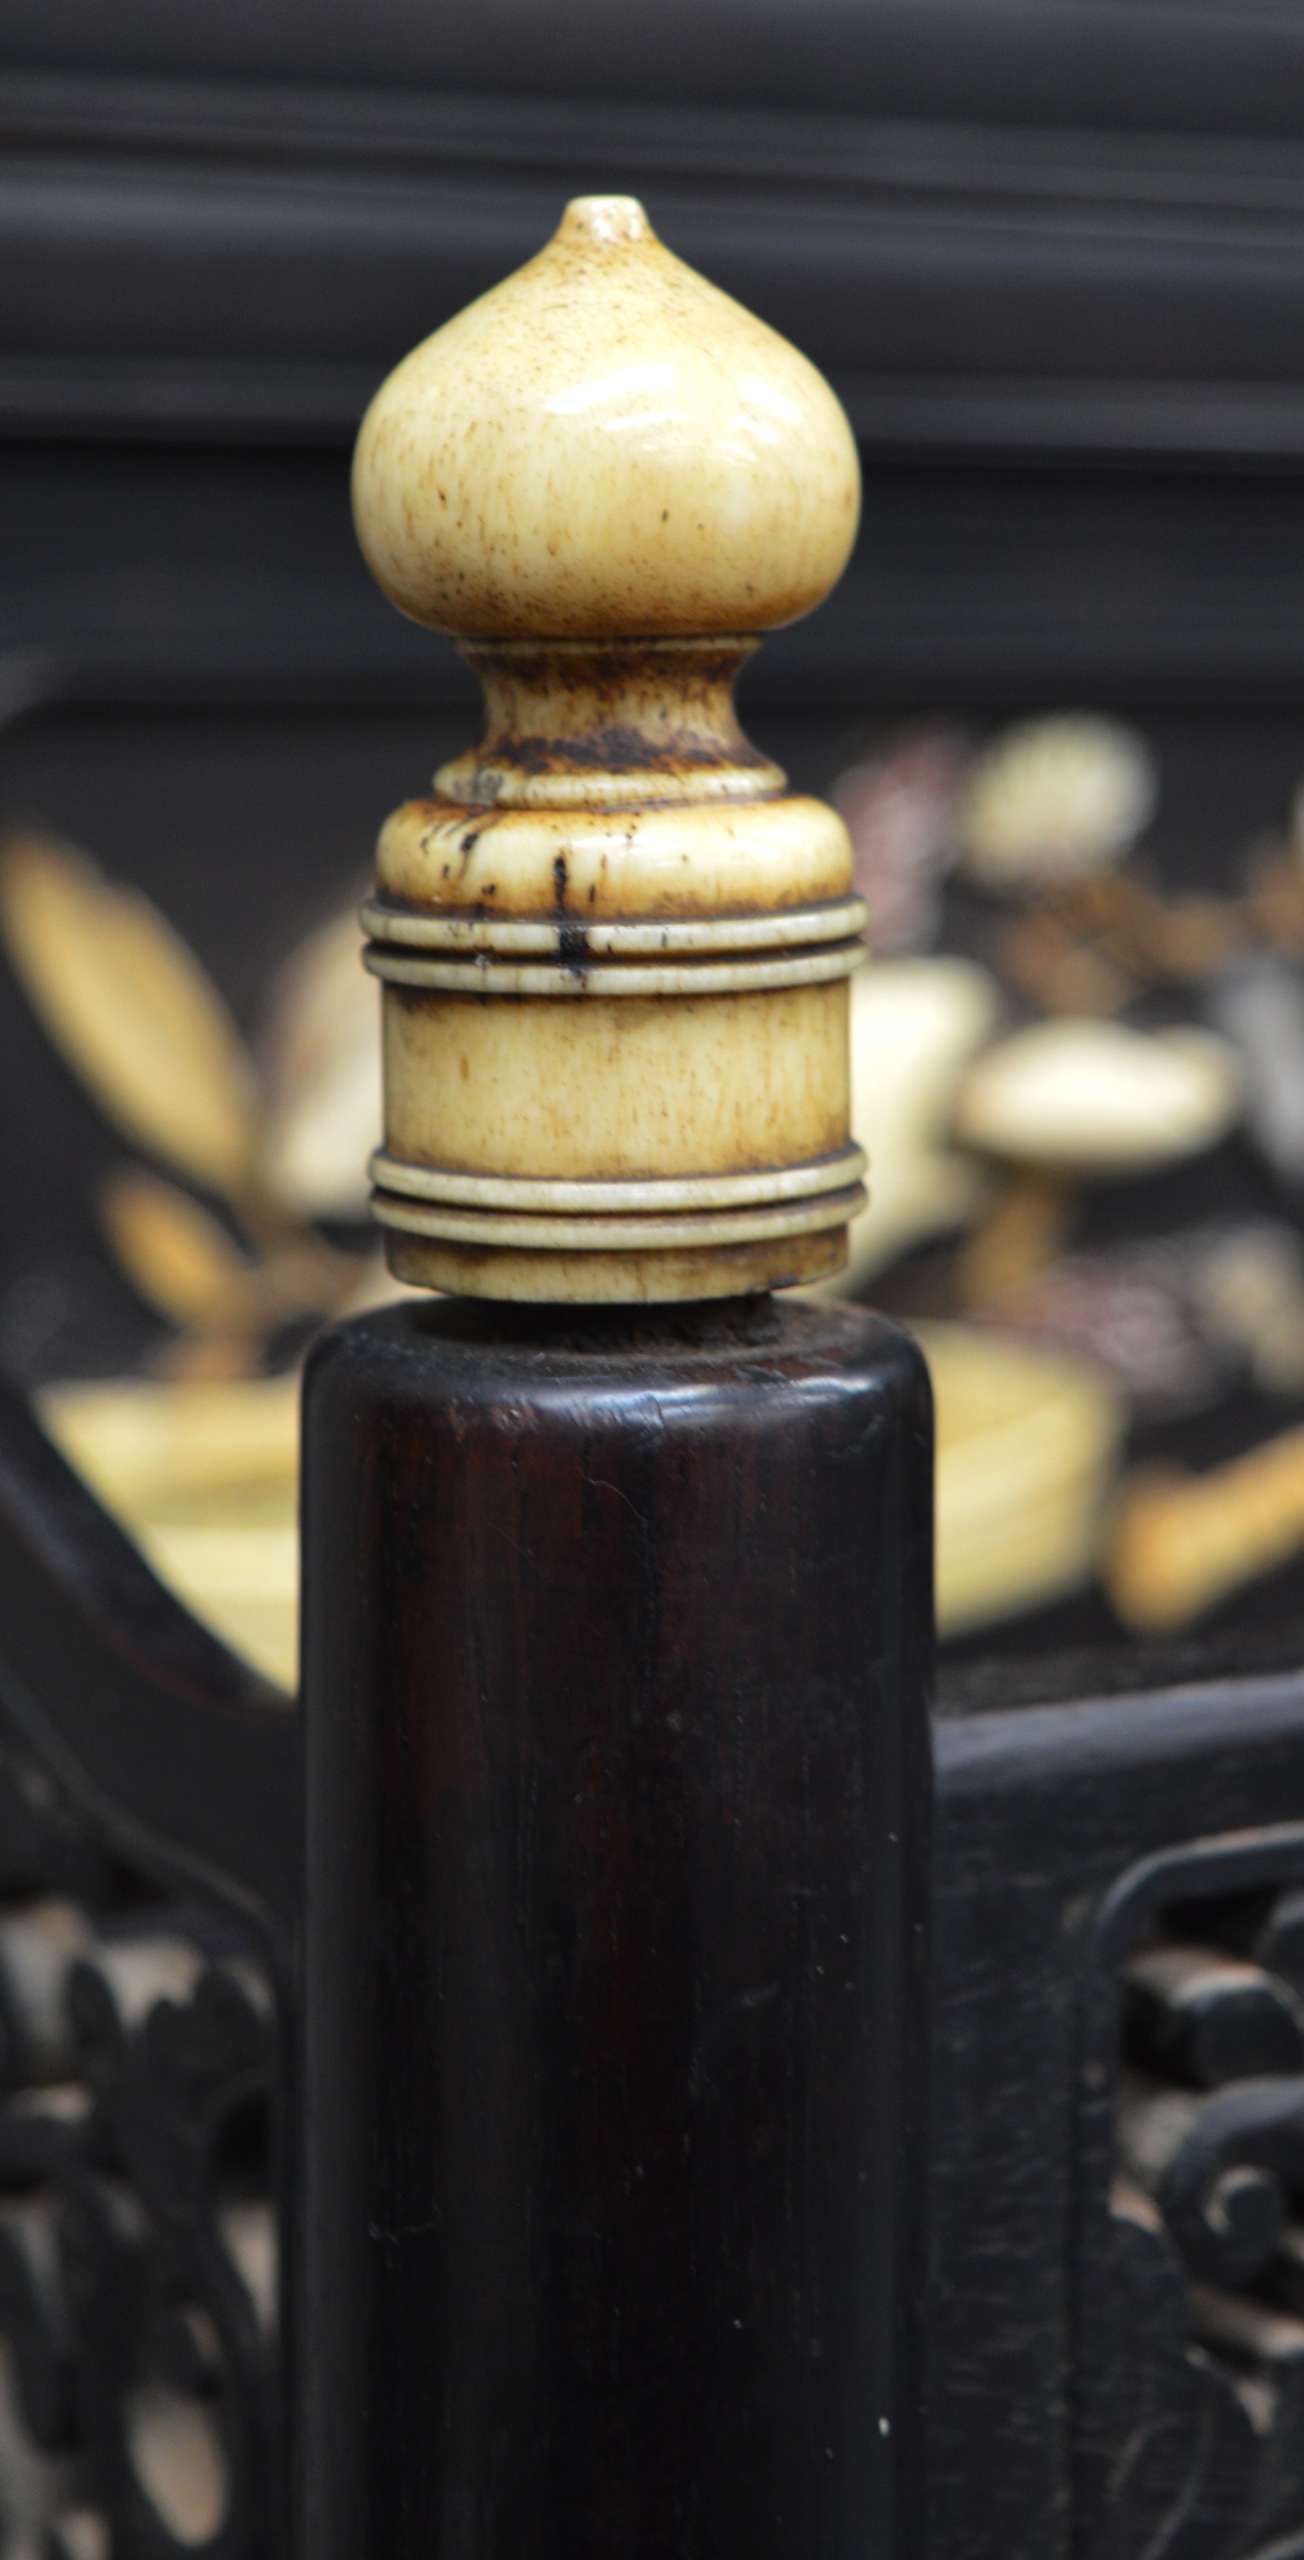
point(605, 445)
point(615, 952)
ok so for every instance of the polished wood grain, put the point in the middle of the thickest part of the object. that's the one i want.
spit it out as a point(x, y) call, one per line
point(616, 1651)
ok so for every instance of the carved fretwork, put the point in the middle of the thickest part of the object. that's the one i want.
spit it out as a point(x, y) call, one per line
point(147, 1785)
point(138, 2241)
point(1189, 2333)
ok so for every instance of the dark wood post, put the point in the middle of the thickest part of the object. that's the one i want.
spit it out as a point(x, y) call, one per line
point(616, 1635)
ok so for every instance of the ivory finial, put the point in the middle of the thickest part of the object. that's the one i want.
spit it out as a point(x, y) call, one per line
point(615, 953)
point(605, 444)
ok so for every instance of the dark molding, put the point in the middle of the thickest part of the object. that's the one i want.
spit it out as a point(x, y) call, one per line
point(183, 399)
point(205, 574)
point(244, 260)
point(1183, 65)
point(1144, 423)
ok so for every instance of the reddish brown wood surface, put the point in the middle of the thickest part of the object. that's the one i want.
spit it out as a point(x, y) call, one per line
point(616, 1647)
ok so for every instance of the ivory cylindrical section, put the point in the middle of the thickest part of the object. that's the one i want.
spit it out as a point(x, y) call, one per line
point(589, 864)
point(616, 1088)
point(446, 931)
point(628, 1278)
point(578, 1230)
point(770, 1186)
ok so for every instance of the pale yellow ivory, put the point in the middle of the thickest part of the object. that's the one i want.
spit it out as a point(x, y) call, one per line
point(605, 444)
point(664, 861)
point(613, 949)
point(614, 1089)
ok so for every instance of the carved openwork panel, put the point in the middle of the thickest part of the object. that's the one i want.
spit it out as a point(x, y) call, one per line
point(138, 2234)
point(147, 1785)
point(1188, 2321)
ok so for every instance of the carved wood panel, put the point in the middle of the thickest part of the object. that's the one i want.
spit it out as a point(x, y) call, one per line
point(1189, 2314)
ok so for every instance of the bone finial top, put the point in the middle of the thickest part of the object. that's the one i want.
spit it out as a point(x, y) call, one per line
point(605, 445)
point(615, 952)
